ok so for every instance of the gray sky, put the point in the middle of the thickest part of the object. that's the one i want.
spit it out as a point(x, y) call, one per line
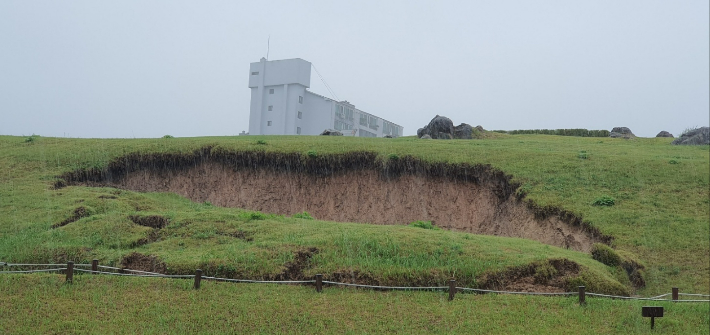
point(150, 68)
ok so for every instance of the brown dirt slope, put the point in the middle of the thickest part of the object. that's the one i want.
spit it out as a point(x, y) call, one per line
point(353, 187)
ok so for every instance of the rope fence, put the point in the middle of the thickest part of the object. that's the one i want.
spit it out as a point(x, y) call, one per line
point(70, 268)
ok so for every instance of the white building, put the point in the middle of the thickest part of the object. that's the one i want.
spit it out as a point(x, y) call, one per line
point(282, 105)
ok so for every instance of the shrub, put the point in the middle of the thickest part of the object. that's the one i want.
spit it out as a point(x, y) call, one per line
point(604, 201)
point(605, 255)
point(424, 225)
point(32, 138)
point(393, 157)
point(303, 215)
point(312, 153)
point(673, 161)
point(261, 142)
point(168, 136)
point(582, 155)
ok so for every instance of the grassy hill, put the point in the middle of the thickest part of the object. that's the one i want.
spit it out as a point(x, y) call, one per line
point(659, 216)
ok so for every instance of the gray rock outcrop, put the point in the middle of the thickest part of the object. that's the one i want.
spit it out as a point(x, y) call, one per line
point(664, 133)
point(463, 131)
point(621, 132)
point(697, 136)
point(440, 127)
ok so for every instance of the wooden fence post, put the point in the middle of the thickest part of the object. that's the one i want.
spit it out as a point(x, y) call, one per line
point(70, 272)
point(452, 289)
point(198, 278)
point(675, 294)
point(582, 296)
point(95, 266)
point(319, 283)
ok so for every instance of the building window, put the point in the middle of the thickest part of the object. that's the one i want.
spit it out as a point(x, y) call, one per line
point(255, 73)
point(300, 99)
point(373, 123)
point(298, 130)
point(268, 123)
point(271, 91)
point(271, 108)
point(300, 115)
point(339, 125)
point(390, 129)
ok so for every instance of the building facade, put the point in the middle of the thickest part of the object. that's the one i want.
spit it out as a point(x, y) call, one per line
point(281, 104)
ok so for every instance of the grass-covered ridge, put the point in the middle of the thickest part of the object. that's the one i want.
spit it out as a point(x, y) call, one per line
point(659, 214)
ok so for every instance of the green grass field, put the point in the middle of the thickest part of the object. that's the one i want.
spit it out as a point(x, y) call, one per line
point(97, 304)
point(660, 217)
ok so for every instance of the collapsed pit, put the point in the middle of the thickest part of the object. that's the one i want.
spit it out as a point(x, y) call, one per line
point(350, 187)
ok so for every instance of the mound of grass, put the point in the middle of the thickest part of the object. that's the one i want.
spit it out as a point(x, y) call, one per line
point(659, 211)
point(424, 225)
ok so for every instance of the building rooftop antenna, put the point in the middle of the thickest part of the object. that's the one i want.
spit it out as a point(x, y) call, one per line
point(268, 44)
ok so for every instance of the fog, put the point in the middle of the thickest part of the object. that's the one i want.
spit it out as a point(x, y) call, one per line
point(146, 69)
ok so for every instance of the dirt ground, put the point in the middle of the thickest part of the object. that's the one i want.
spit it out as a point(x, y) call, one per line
point(363, 196)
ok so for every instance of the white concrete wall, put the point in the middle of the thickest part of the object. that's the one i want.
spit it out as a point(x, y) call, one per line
point(317, 114)
point(279, 72)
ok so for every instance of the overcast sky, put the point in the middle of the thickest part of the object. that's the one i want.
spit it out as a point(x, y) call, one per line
point(151, 68)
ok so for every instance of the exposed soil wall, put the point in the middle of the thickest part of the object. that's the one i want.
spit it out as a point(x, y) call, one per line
point(353, 187)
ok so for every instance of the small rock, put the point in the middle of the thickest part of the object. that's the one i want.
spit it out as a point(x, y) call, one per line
point(664, 133)
point(331, 132)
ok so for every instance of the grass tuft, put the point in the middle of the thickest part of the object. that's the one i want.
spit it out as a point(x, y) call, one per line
point(604, 201)
point(424, 225)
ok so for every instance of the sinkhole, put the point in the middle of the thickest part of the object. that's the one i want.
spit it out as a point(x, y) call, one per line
point(349, 187)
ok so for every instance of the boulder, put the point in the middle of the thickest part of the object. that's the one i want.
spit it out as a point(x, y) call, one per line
point(463, 131)
point(621, 132)
point(697, 136)
point(664, 133)
point(331, 132)
point(388, 136)
point(440, 127)
point(420, 132)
